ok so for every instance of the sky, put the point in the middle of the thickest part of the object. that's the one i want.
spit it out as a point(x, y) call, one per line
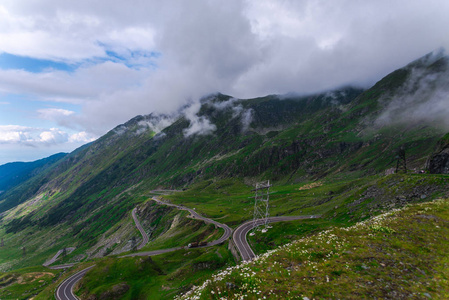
point(72, 70)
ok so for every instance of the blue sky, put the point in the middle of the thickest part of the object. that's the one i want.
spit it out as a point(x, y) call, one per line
point(71, 71)
point(10, 61)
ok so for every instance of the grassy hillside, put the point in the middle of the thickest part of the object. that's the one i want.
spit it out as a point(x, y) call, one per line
point(331, 154)
point(401, 254)
point(159, 277)
point(26, 283)
point(12, 174)
point(17, 173)
point(342, 203)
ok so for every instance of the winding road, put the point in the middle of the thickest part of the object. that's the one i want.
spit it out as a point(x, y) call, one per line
point(239, 236)
point(227, 231)
point(65, 290)
point(226, 228)
point(142, 231)
point(64, 266)
point(54, 258)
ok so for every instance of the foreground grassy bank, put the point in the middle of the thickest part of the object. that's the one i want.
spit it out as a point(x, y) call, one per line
point(401, 254)
point(26, 283)
point(158, 277)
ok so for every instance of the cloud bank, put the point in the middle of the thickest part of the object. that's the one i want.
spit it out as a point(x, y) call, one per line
point(34, 137)
point(423, 99)
point(123, 60)
point(199, 125)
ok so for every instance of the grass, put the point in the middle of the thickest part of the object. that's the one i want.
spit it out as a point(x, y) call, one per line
point(227, 201)
point(322, 158)
point(26, 283)
point(98, 185)
point(49, 290)
point(342, 202)
point(177, 229)
point(283, 233)
point(232, 202)
point(398, 255)
point(158, 277)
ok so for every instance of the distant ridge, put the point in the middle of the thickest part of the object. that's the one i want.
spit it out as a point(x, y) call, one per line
point(12, 174)
point(341, 135)
point(15, 173)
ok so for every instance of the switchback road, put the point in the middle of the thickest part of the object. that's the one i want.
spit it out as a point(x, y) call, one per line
point(142, 231)
point(239, 236)
point(65, 290)
point(226, 228)
point(224, 237)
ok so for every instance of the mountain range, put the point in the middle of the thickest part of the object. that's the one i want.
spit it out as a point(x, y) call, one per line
point(348, 139)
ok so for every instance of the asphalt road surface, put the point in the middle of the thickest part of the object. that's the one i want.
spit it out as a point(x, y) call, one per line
point(239, 236)
point(55, 257)
point(226, 228)
point(227, 231)
point(65, 266)
point(154, 252)
point(65, 289)
point(142, 231)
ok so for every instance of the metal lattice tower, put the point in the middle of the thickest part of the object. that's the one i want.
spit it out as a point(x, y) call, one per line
point(401, 162)
point(261, 199)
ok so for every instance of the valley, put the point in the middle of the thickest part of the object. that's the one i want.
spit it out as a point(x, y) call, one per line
point(128, 204)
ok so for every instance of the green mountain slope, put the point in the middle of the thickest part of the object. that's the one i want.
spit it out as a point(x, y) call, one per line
point(13, 174)
point(398, 255)
point(345, 137)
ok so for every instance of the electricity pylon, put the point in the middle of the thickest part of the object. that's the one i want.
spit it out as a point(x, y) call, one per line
point(401, 162)
point(261, 208)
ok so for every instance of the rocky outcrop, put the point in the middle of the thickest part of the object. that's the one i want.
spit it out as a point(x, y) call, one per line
point(115, 292)
point(439, 161)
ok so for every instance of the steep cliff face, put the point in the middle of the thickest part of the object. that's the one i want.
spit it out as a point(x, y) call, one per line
point(439, 161)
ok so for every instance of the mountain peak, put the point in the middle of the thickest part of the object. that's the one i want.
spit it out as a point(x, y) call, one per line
point(435, 59)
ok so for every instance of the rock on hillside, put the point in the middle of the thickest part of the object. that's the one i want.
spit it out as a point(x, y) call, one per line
point(439, 161)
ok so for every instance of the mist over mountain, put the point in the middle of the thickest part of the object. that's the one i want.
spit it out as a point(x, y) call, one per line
point(345, 141)
point(423, 98)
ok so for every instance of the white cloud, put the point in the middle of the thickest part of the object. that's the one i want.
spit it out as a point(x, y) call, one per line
point(199, 125)
point(242, 48)
point(156, 123)
point(85, 84)
point(238, 111)
point(423, 99)
point(333, 43)
point(65, 33)
point(81, 137)
point(35, 137)
point(53, 136)
point(15, 134)
point(54, 113)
